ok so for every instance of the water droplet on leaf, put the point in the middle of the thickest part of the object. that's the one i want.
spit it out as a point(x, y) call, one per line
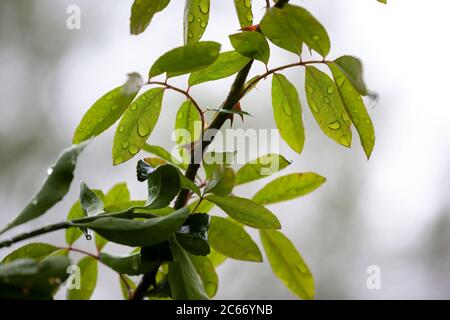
point(334, 125)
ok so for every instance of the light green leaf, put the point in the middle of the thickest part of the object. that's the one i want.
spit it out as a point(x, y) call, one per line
point(222, 183)
point(137, 233)
point(352, 68)
point(227, 64)
point(354, 105)
point(205, 269)
point(73, 234)
point(288, 111)
point(196, 16)
point(188, 124)
point(164, 154)
point(204, 207)
point(288, 187)
point(88, 273)
point(118, 193)
point(185, 283)
point(326, 106)
point(230, 239)
point(251, 44)
point(36, 251)
point(91, 204)
point(142, 13)
point(127, 286)
point(108, 109)
point(287, 263)
point(246, 211)
point(55, 187)
point(261, 167)
point(186, 59)
point(244, 12)
point(136, 125)
point(216, 258)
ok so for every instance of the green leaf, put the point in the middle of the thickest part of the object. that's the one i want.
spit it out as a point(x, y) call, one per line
point(188, 184)
point(136, 125)
point(91, 204)
point(142, 13)
point(118, 193)
point(216, 258)
point(163, 186)
point(186, 59)
point(185, 283)
point(289, 187)
point(222, 183)
point(352, 68)
point(127, 286)
point(260, 168)
point(53, 190)
point(287, 263)
point(137, 233)
point(204, 207)
point(232, 111)
point(88, 273)
point(196, 16)
point(164, 154)
point(193, 235)
point(326, 106)
point(277, 27)
point(36, 251)
point(354, 105)
point(246, 211)
point(29, 279)
point(73, 234)
point(244, 12)
point(108, 109)
point(205, 269)
point(230, 239)
point(287, 111)
point(188, 124)
point(227, 64)
point(251, 44)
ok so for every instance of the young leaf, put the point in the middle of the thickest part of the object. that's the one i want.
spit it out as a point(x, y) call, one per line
point(164, 154)
point(108, 109)
point(227, 64)
point(244, 12)
point(288, 187)
point(216, 258)
point(36, 251)
point(287, 111)
point(186, 59)
point(55, 187)
point(91, 204)
point(193, 235)
point(246, 211)
point(163, 186)
point(88, 273)
point(352, 68)
point(230, 239)
point(188, 125)
point(142, 13)
point(326, 106)
point(251, 44)
point(196, 16)
point(73, 234)
point(260, 168)
point(136, 125)
point(185, 283)
point(287, 263)
point(137, 233)
point(127, 286)
point(205, 269)
point(118, 193)
point(355, 108)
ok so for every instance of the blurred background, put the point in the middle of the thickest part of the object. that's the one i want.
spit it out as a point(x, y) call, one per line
point(392, 211)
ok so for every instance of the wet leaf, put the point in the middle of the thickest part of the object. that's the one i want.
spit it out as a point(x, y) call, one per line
point(164, 154)
point(163, 186)
point(352, 68)
point(36, 251)
point(196, 16)
point(142, 13)
point(205, 269)
point(88, 281)
point(261, 167)
point(193, 235)
point(91, 204)
point(188, 125)
point(244, 12)
point(251, 44)
point(136, 125)
point(73, 234)
point(223, 181)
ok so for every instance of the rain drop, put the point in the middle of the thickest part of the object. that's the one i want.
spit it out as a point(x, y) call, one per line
point(133, 149)
point(109, 97)
point(125, 144)
point(34, 202)
point(309, 88)
point(50, 171)
point(326, 100)
point(330, 89)
point(121, 128)
point(314, 107)
point(316, 37)
point(287, 109)
point(248, 3)
point(190, 17)
point(133, 106)
point(204, 6)
point(334, 125)
point(203, 24)
point(143, 130)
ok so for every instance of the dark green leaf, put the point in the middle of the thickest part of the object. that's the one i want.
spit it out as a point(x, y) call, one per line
point(288, 111)
point(108, 109)
point(244, 12)
point(352, 68)
point(36, 251)
point(88, 273)
point(188, 184)
point(326, 106)
point(142, 13)
point(355, 108)
point(287, 263)
point(230, 239)
point(137, 233)
point(136, 125)
point(185, 283)
point(227, 64)
point(207, 273)
point(131, 265)
point(54, 188)
point(260, 168)
point(251, 44)
point(143, 170)
point(196, 16)
point(246, 211)
point(193, 235)
point(186, 59)
point(163, 186)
